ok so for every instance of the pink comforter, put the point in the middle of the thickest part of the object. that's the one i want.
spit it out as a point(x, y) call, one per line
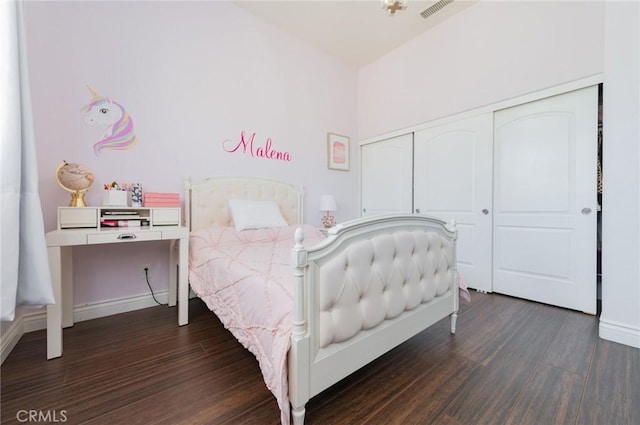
point(246, 279)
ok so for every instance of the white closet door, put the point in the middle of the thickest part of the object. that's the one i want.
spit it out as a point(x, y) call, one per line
point(386, 176)
point(545, 200)
point(453, 174)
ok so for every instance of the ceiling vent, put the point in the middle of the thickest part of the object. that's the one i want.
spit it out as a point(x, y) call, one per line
point(434, 8)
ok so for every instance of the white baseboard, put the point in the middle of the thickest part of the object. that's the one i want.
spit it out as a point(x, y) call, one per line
point(619, 333)
point(36, 321)
point(10, 338)
point(122, 305)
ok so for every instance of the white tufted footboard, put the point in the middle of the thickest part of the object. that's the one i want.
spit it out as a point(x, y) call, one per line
point(371, 285)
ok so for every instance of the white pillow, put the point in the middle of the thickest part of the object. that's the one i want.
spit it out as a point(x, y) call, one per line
point(255, 214)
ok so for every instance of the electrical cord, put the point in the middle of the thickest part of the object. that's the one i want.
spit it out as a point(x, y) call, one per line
point(146, 275)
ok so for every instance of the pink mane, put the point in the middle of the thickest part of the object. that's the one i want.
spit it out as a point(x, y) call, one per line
point(122, 135)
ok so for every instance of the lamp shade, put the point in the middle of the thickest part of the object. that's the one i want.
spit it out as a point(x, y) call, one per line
point(328, 203)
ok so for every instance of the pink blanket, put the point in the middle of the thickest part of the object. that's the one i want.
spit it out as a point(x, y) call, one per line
point(246, 279)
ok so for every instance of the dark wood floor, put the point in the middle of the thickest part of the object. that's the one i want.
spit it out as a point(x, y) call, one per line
point(511, 362)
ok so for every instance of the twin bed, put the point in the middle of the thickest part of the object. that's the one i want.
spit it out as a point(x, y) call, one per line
point(313, 307)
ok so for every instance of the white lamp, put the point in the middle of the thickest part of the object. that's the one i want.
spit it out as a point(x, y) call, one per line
point(328, 205)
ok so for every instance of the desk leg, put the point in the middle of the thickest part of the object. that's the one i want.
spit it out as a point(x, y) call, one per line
point(173, 261)
point(54, 311)
point(183, 282)
point(66, 261)
point(60, 314)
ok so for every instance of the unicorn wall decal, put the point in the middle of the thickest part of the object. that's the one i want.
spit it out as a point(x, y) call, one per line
point(103, 111)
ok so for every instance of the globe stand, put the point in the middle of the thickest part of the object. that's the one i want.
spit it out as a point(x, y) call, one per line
point(77, 199)
point(78, 180)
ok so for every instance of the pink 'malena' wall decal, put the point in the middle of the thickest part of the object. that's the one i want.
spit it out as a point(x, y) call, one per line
point(103, 111)
point(267, 151)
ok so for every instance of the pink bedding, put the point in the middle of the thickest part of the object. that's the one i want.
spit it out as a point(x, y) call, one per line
point(246, 279)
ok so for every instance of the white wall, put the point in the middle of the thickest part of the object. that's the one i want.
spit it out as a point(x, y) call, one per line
point(620, 318)
point(487, 53)
point(191, 75)
point(494, 51)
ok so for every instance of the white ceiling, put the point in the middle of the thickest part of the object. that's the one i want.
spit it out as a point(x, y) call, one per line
point(355, 31)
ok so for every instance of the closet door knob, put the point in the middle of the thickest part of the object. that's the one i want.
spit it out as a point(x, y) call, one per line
point(364, 210)
point(485, 211)
point(417, 210)
point(586, 211)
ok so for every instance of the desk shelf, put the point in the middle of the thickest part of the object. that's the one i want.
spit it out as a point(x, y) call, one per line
point(132, 217)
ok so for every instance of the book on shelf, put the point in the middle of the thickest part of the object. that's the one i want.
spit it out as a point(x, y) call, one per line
point(159, 199)
point(161, 195)
point(120, 212)
point(122, 217)
point(123, 223)
point(162, 204)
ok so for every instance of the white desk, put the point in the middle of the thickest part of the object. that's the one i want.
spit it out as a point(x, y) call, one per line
point(73, 231)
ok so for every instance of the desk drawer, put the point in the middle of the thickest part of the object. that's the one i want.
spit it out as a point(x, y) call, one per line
point(165, 216)
point(72, 218)
point(115, 237)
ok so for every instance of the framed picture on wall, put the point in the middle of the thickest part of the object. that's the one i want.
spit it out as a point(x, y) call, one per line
point(337, 152)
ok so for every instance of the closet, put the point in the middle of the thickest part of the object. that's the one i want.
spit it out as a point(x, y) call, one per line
point(520, 183)
point(453, 166)
point(386, 171)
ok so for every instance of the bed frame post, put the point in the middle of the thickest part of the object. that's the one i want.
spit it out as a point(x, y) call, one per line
point(187, 203)
point(299, 351)
point(456, 293)
point(299, 261)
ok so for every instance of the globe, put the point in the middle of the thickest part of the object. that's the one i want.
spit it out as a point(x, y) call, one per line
point(74, 178)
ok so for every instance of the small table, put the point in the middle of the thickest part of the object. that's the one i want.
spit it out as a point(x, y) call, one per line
point(70, 234)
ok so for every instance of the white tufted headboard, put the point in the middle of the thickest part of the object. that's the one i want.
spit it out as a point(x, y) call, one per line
point(207, 202)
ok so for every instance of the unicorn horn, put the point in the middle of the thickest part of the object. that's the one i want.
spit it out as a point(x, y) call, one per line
point(93, 93)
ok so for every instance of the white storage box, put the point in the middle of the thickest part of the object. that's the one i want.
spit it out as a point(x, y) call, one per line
point(114, 198)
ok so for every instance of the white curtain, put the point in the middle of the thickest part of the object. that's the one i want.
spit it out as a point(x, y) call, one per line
point(24, 269)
